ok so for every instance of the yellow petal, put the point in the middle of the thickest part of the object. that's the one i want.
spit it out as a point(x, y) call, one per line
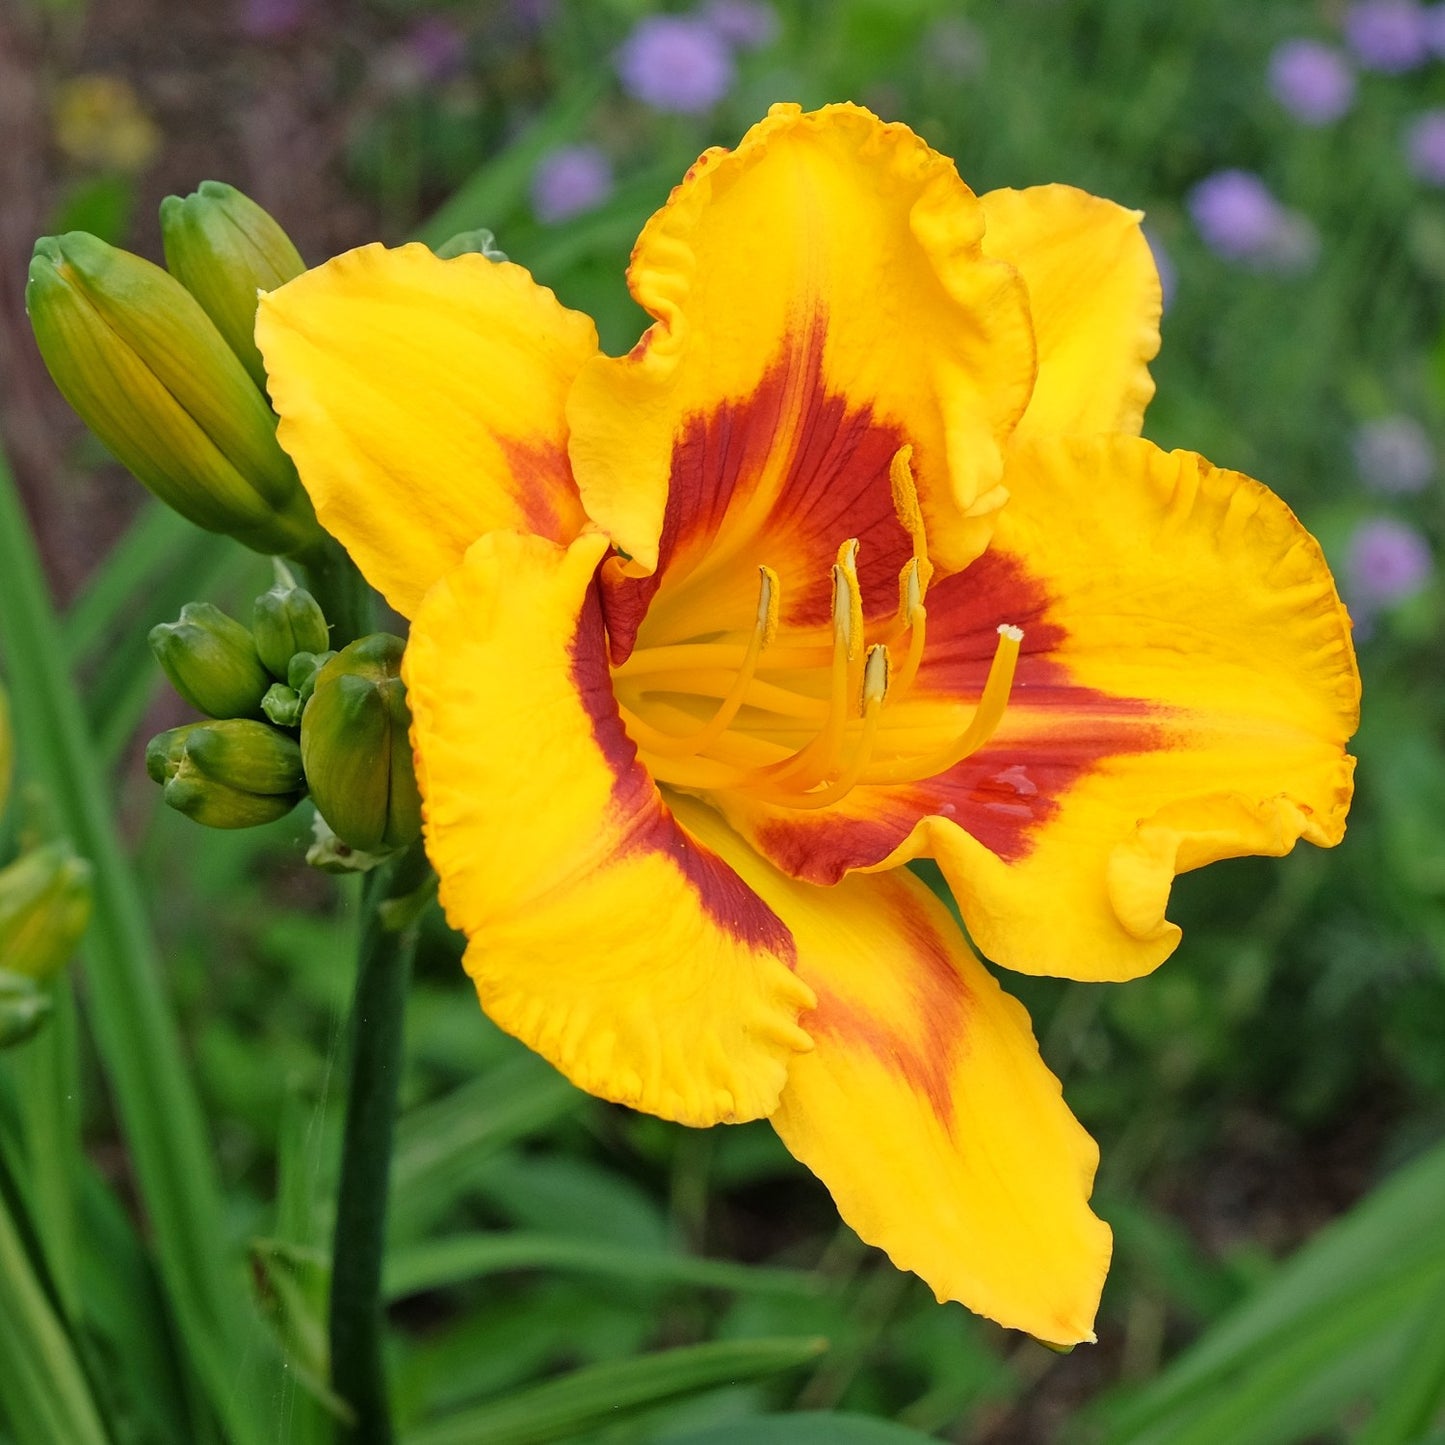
point(925, 1107)
point(599, 932)
point(821, 301)
point(1196, 594)
point(422, 401)
point(1095, 298)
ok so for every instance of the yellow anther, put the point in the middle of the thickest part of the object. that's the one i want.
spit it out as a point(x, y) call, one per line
point(905, 505)
point(875, 689)
point(875, 676)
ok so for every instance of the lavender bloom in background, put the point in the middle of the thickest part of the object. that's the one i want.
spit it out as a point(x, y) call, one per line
point(437, 48)
point(955, 47)
point(533, 14)
point(569, 181)
point(1311, 80)
point(271, 19)
point(747, 24)
point(1240, 219)
point(1434, 25)
point(1387, 35)
point(1425, 147)
point(675, 63)
point(1387, 562)
point(1393, 454)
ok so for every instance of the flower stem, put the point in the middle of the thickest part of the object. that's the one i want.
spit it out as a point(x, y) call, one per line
point(377, 1027)
point(333, 580)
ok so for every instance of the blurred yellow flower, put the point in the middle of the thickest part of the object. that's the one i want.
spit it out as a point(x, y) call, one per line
point(99, 122)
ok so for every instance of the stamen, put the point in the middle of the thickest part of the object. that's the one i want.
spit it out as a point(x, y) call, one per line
point(905, 504)
point(717, 682)
point(816, 760)
point(913, 619)
point(875, 690)
point(764, 630)
point(984, 723)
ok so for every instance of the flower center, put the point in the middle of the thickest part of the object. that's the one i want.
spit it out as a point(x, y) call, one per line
point(804, 723)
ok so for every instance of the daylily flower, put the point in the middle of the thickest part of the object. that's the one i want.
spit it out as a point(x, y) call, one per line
point(855, 558)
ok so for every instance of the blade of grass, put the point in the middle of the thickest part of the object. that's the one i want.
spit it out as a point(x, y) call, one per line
point(441, 1145)
point(462, 1257)
point(1313, 1339)
point(160, 564)
point(43, 1391)
point(130, 1015)
point(1411, 1399)
point(805, 1427)
point(601, 1394)
point(49, 1098)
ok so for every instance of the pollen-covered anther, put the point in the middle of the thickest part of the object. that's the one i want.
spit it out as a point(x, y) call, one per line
point(856, 758)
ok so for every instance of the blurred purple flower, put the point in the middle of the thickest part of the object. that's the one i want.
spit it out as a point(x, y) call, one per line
point(437, 48)
point(1311, 80)
point(271, 19)
point(1387, 35)
point(747, 24)
point(955, 47)
point(1387, 562)
point(569, 181)
point(1434, 25)
point(533, 14)
point(1394, 454)
point(1240, 219)
point(1425, 147)
point(1168, 276)
point(675, 63)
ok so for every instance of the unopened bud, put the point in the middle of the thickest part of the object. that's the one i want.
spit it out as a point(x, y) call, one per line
point(282, 705)
point(480, 242)
point(287, 620)
point(24, 1006)
point(211, 661)
point(229, 774)
point(355, 745)
point(223, 248)
point(44, 908)
point(133, 352)
point(305, 668)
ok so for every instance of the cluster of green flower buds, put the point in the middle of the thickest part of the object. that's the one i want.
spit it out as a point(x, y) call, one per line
point(356, 750)
point(264, 685)
point(162, 367)
point(44, 909)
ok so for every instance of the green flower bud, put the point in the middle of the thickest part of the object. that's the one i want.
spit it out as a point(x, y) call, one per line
point(133, 352)
point(44, 908)
point(480, 242)
point(305, 667)
point(288, 620)
point(24, 1006)
point(234, 773)
point(354, 742)
point(223, 248)
point(282, 705)
point(211, 661)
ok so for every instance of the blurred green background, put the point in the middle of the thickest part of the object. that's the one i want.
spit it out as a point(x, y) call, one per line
point(1270, 1105)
